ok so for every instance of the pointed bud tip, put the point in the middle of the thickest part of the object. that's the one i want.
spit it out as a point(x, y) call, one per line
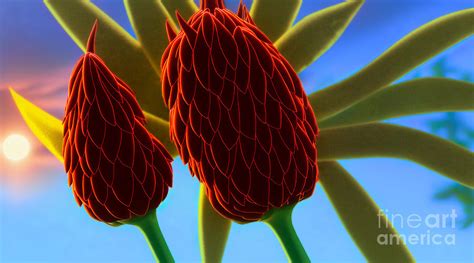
point(181, 20)
point(91, 41)
point(212, 4)
point(190, 33)
point(170, 31)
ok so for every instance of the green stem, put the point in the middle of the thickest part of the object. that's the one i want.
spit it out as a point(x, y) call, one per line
point(148, 225)
point(280, 222)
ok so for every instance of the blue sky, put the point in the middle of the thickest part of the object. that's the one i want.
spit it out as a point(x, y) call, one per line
point(44, 224)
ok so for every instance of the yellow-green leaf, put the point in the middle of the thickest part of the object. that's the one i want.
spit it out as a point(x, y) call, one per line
point(361, 216)
point(386, 140)
point(148, 19)
point(121, 52)
point(160, 128)
point(275, 17)
point(47, 128)
point(408, 98)
point(414, 49)
point(315, 34)
point(213, 230)
point(186, 8)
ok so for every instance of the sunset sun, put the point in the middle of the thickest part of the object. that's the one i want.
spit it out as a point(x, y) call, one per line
point(16, 147)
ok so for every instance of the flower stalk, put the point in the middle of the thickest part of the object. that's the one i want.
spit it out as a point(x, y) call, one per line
point(150, 228)
point(280, 222)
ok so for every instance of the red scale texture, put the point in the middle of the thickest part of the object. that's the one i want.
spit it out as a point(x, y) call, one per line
point(116, 168)
point(238, 114)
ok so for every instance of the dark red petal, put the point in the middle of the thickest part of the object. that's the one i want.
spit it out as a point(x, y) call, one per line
point(95, 125)
point(262, 161)
point(185, 55)
point(228, 133)
point(188, 85)
point(227, 44)
point(228, 94)
point(106, 170)
point(221, 186)
point(264, 136)
point(195, 119)
point(150, 182)
point(93, 156)
point(140, 163)
point(99, 188)
point(202, 100)
point(248, 148)
point(163, 166)
point(207, 26)
point(240, 176)
point(143, 136)
point(116, 208)
point(140, 203)
point(220, 154)
point(100, 211)
point(122, 185)
point(247, 115)
point(273, 113)
point(277, 194)
point(127, 149)
point(214, 112)
point(194, 144)
point(261, 53)
point(86, 188)
point(201, 59)
point(291, 178)
point(260, 187)
point(244, 50)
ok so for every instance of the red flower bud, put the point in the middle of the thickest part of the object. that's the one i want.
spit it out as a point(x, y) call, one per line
point(117, 169)
point(238, 114)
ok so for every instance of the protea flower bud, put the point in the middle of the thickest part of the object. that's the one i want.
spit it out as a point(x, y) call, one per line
point(117, 169)
point(238, 113)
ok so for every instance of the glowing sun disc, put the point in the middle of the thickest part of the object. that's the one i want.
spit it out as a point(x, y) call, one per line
point(16, 147)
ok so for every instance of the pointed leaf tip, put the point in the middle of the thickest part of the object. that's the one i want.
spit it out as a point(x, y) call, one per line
point(45, 127)
point(313, 35)
point(361, 216)
point(240, 11)
point(170, 31)
point(188, 30)
point(91, 40)
point(274, 17)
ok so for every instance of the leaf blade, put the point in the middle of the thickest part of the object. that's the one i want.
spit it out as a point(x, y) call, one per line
point(47, 128)
point(122, 53)
point(360, 215)
point(275, 17)
point(148, 20)
point(186, 8)
point(406, 54)
point(213, 230)
point(408, 98)
point(387, 140)
point(315, 34)
point(160, 129)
